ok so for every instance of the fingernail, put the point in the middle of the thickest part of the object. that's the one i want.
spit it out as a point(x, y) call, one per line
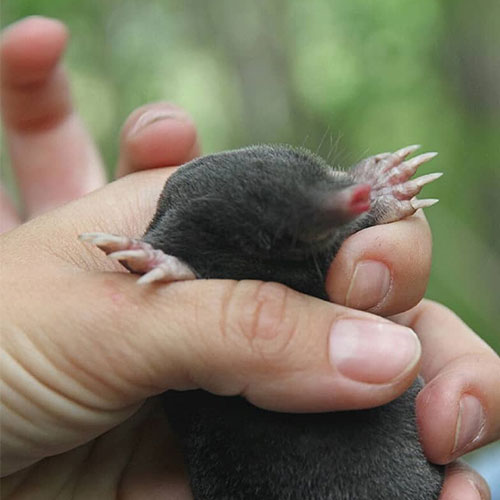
point(474, 491)
point(153, 116)
point(369, 285)
point(468, 490)
point(372, 352)
point(470, 423)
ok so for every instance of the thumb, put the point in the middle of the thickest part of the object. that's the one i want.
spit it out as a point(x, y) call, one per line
point(278, 348)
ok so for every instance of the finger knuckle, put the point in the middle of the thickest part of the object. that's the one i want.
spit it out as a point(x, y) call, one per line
point(262, 320)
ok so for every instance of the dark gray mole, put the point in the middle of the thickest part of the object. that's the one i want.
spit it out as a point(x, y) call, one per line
point(259, 213)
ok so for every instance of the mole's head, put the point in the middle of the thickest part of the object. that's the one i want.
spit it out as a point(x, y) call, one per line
point(267, 200)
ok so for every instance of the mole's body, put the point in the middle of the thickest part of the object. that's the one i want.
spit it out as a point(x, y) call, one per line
point(236, 451)
point(280, 214)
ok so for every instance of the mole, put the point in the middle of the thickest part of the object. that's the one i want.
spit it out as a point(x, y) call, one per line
point(279, 213)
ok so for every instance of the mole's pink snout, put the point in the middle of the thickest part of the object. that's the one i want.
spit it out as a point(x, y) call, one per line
point(359, 201)
point(345, 204)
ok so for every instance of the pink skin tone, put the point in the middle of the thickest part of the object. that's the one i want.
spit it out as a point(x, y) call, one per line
point(359, 201)
point(138, 453)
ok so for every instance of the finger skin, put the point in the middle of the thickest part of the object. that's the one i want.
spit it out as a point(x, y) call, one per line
point(52, 155)
point(404, 247)
point(138, 459)
point(157, 135)
point(461, 482)
point(456, 362)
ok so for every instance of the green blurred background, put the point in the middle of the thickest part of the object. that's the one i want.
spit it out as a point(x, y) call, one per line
point(348, 78)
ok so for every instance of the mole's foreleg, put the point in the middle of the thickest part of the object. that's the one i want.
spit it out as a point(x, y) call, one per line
point(392, 191)
point(141, 258)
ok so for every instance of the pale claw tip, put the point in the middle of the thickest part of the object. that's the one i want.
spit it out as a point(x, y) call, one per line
point(143, 280)
point(424, 157)
point(408, 150)
point(431, 155)
point(155, 274)
point(126, 254)
point(416, 204)
point(426, 179)
point(89, 236)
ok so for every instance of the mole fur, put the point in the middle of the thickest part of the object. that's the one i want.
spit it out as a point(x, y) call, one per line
point(259, 213)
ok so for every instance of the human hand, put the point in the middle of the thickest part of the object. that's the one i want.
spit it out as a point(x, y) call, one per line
point(458, 410)
point(93, 368)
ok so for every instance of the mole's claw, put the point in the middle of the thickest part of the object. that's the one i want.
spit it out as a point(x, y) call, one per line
point(106, 242)
point(89, 236)
point(167, 268)
point(416, 204)
point(93, 237)
point(156, 274)
point(414, 163)
point(407, 151)
point(393, 191)
point(380, 156)
point(411, 188)
point(140, 257)
point(129, 254)
point(426, 179)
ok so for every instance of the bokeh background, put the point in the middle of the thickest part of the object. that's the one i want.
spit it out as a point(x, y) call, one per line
point(345, 78)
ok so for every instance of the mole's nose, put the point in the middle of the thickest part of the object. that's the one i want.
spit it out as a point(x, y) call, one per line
point(343, 205)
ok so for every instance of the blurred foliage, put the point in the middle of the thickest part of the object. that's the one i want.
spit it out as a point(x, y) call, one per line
point(347, 78)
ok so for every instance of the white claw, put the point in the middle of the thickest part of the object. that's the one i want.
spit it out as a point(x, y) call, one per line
point(170, 269)
point(89, 236)
point(141, 257)
point(418, 160)
point(426, 179)
point(430, 155)
point(128, 254)
point(408, 150)
point(416, 204)
point(103, 238)
point(156, 274)
point(93, 236)
point(382, 156)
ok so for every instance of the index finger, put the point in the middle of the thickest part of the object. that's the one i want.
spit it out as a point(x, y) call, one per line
point(52, 155)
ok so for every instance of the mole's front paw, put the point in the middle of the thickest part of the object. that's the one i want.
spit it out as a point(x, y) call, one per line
point(141, 258)
point(393, 192)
